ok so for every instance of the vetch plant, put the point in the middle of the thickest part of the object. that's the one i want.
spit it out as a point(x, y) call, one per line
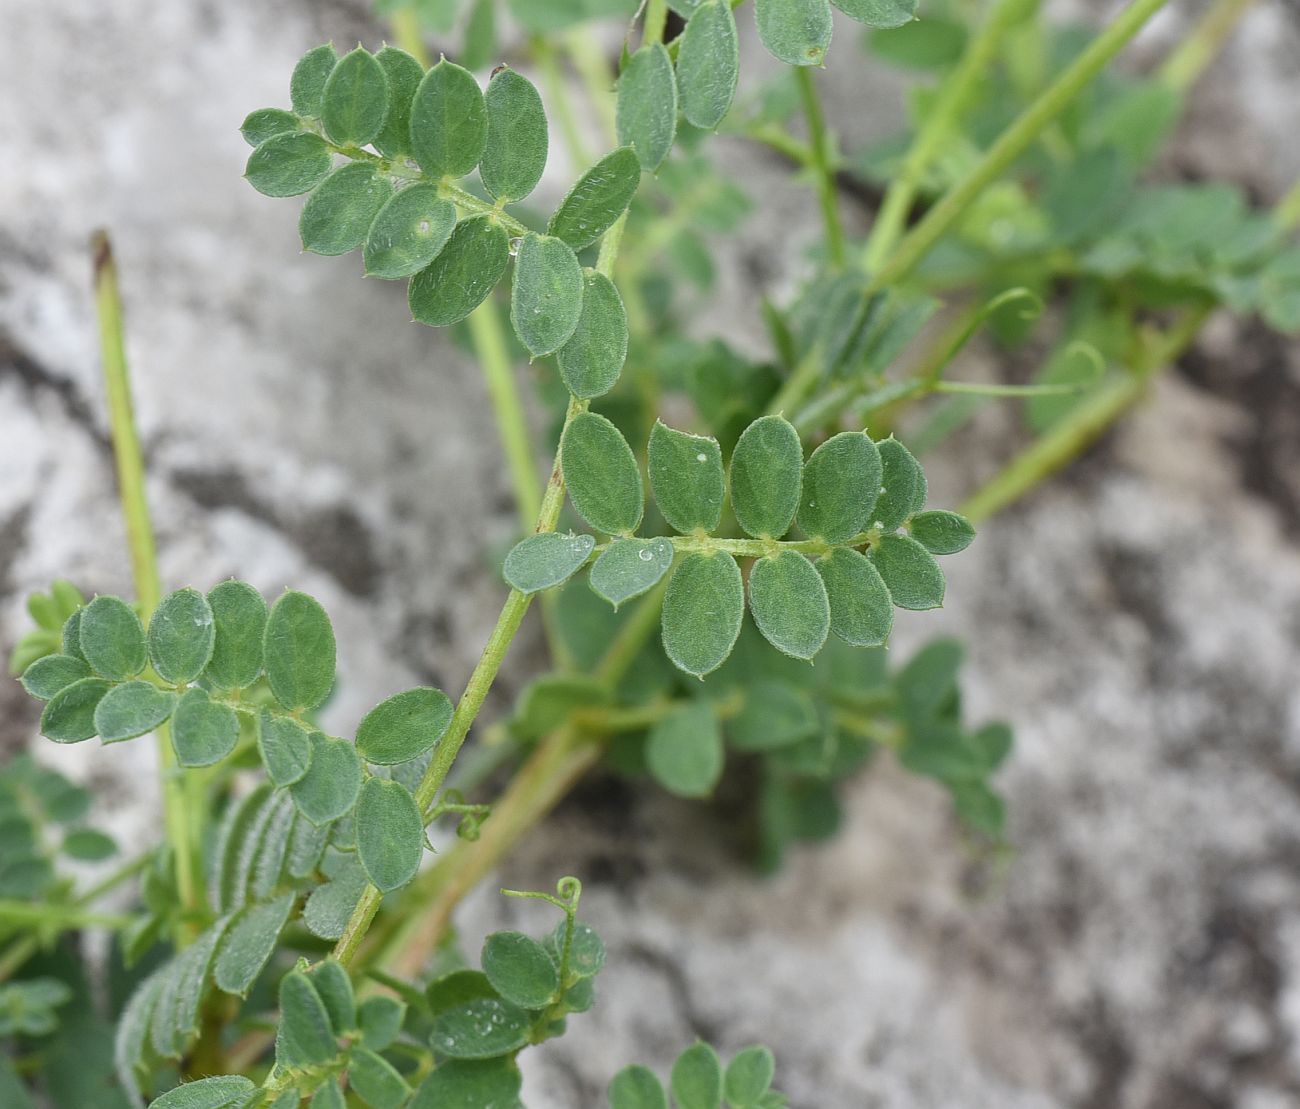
point(716, 595)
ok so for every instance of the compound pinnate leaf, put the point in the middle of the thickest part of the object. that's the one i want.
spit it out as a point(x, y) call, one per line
point(788, 600)
point(542, 561)
point(686, 478)
point(470, 1084)
point(249, 944)
point(132, 709)
point(404, 74)
point(646, 113)
point(69, 716)
point(182, 636)
point(684, 751)
point(265, 123)
point(46, 676)
point(329, 788)
point(112, 639)
point(591, 360)
point(380, 1020)
point(338, 214)
point(749, 1075)
point(354, 103)
point(288, 164)
point(879, 13)
point(546, 294)
point(708, 64)
point(390, 833)
point(629, 567)
point(404, 726)
point(285, 747)
point(774, 715)
point(515, 153)
point(766, 477)
point(636, 1087)
point(239, 620)
point(464, 272)
point(909, 571)
point(900, 476)
point(408, 232)
point(862, 612)
point(299, 651)
point(204, 731)
point(797, 32)
point(599, 197)
point(307, 85)
point(480, 1029)
point(221, 1092)
point(697, 1078)
point(703, 609)
point(448, 121)
point(520, 969)
point(841, 482)
point(942, 533)
point(304, 1036)
point(601, 474)
point(376, 1081)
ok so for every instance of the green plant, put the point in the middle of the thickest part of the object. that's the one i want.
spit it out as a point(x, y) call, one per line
point(290, 882)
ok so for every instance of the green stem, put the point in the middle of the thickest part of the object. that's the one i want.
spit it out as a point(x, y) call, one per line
point(656, 17)
point(15, 956)
point(407, 34)
point(558, 98)
point(512, 424)
point(1082, 427)
point(586, 57)
point(181, 794)
point(1185, 64)
point(1013, 142)
point(937, 127)
point(26, 913)
point(493, 357)
point(824, 172)
point(467, 708)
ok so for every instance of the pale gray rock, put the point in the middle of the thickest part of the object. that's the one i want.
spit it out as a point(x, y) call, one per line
point(1138, 621)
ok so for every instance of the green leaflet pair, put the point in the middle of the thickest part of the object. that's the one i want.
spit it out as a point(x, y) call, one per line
point(859, 504)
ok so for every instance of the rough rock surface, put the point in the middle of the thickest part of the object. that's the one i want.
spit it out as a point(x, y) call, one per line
point(1138, 621)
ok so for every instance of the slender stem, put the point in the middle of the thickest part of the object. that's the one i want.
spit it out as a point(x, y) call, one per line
point(557, 97)
point(824, 172)
point(512, 424)
point(656, 17)
point(476, 689)
point(1199, 48)
point(1013, 142)
point(586, 57)
point(182, 808)
point(405, 23)
point(27, 913)
point(22, 950)
point(937, 127)
point(1076, 432)
point(1287, 213)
